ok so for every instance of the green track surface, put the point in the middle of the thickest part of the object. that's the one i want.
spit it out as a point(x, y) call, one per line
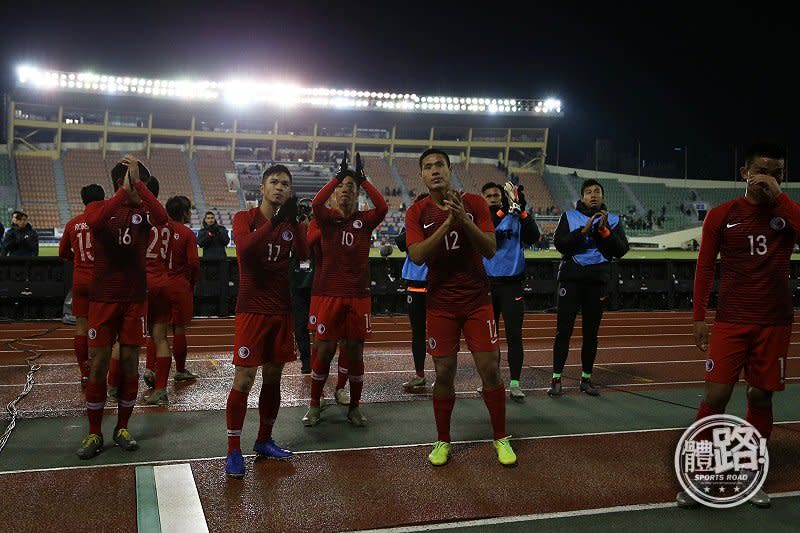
point(51, 442)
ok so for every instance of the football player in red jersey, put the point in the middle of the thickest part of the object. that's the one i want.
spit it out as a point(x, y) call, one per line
point(754, 236)
point(452, 232)
point(343, 299)
point(264, 329)
point(76, 246)
point(184, 271)
point(118, 296)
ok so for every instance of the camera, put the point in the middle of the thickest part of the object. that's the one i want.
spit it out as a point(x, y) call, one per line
point(304, 211)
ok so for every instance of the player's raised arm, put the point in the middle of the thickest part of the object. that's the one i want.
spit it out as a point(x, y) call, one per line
point(247, 241)
point(98, 213)
point(375, 216)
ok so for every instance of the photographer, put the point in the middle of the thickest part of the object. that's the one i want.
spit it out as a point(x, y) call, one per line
point(301, 276)
point(588, 237)
point(212, 238)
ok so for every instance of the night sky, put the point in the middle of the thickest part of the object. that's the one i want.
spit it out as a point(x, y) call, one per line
point(668, 76)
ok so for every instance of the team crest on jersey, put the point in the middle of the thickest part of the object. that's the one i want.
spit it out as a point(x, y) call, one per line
point(136, 218)
point(358, 224)
point(471, 217)
point(409, 299)
point(562, 291)
point(312, 319)
point(321, 329)
point(709, 365)
point(244, 352)
point(176, 237)
point(432, 343)
point(777, 223)
point(92, 333)
point(287, 235)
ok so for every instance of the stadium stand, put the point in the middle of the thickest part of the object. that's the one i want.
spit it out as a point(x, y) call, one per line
point(381, 176)
point(477, 174)
point(408, 170)
point(37, 190)
point(82, 167)
point(540, 200)
point(212, 166)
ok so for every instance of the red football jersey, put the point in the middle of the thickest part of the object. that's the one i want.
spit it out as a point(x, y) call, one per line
point(76, 246)
point(156, 255)
point(313, 237)
point(345, 244)
point(263, 255)
point(456, 276)
point(755, 244)
point(183, 261)
point(120, 236)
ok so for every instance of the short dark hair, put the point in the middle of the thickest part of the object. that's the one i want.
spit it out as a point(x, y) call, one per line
point(92, 193)
point(119, 171)
point(431, 151)
point(769, 149)
point(491, 185)
point(177, 206)
point(276, 169)
point(210, 213)
point(153, 186)
point(590, 182)
point(18, 214)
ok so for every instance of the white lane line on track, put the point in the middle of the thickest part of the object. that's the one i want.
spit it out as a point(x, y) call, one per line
point(544, 516)
point(365, 448)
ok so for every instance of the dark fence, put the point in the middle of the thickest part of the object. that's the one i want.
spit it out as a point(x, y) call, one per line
point(34, 288)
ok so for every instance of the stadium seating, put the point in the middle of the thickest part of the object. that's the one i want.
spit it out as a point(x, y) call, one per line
point(38, 191)
point(478, 173)
point(536, 192)
point(408, 169)
point(212, 166)
point(381, 176)
point(82, 167)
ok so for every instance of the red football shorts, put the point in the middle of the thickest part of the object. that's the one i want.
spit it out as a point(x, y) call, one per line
point(444, 329)
point(80, 300)
point(757, 349)
point(181, 301)
point(341, 317)
point(158, 309)
point(123, 321)
point(259, 339)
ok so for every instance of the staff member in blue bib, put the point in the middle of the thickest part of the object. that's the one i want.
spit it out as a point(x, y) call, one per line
point(514, 229)
point(416, 278)
point(588, 237)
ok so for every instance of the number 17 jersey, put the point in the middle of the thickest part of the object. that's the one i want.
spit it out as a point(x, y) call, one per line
point(456, 277)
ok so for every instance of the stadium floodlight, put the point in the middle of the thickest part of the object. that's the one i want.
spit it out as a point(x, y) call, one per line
point(241, 93)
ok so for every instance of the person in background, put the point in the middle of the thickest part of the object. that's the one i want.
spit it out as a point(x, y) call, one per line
point(21, 240)
point(212, 237)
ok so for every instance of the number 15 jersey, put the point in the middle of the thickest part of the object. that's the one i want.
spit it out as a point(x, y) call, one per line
point(456, 277)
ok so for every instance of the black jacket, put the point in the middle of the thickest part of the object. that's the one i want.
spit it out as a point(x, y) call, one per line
point(213, 240)
point(2, 234)
point(21, 242)
point(566, 242)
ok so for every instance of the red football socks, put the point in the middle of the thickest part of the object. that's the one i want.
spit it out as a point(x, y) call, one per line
point(235, 411)
point(760, 418)
point(344, 368)
point(163, 364)
point(319, 375)
point(442, 411)
point(95, 402)
point(269, 402)
point(128, 391)
point(495, 400)
point(179, 352)
point(356, 382)
point(150, 364)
